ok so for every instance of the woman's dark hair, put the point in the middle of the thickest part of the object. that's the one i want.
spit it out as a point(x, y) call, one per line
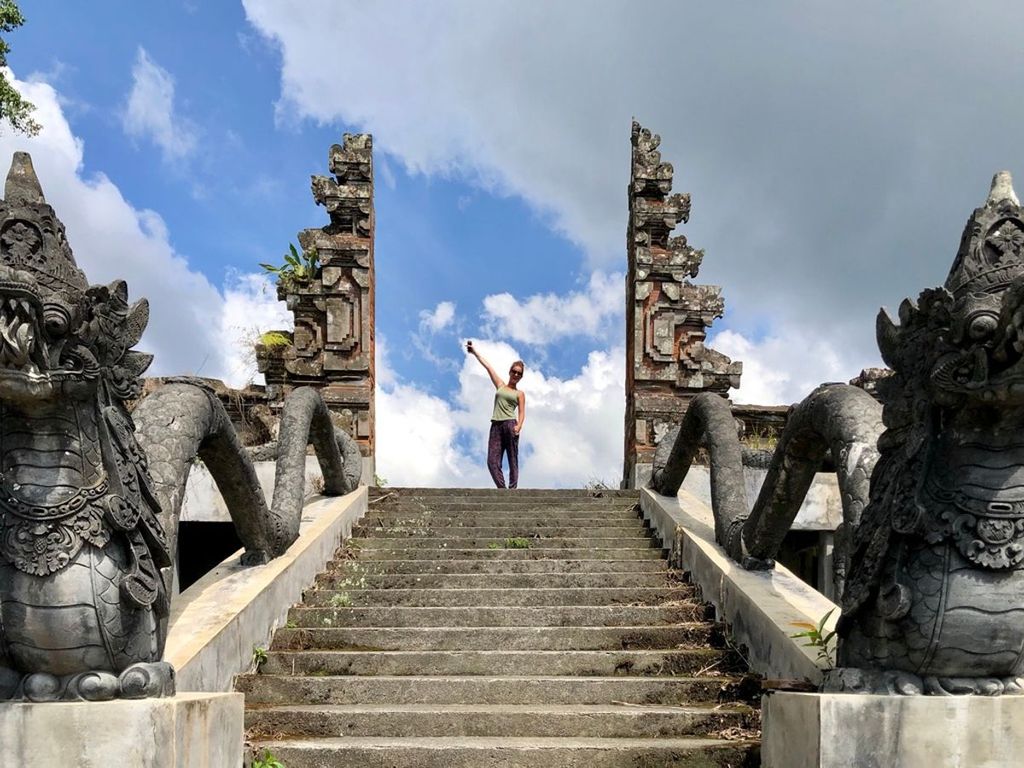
point(520, 363)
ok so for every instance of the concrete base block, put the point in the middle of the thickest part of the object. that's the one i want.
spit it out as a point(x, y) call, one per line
point(190, 730)
point(812, 730)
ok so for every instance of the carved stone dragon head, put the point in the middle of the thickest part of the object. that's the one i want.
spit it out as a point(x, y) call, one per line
point(59, 336)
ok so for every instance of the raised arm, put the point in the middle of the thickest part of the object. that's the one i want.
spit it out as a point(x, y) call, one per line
point(522, 412)
point(498, 383)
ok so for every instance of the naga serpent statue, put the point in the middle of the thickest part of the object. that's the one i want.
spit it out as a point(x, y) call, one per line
point(89, 494)
point(931, 479)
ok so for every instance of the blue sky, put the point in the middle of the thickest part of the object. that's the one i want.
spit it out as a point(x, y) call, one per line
point(833, 155)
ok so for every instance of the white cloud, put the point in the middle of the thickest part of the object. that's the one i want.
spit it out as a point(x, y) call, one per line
point(572, 434)
point(807, 159)
point(545, 318)
point(439, 319)
point(785, 367)
point(250, 309)
point(150, 110)
point(191, 328)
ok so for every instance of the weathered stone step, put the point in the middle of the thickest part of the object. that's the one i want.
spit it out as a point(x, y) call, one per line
point(341, 580)
point(423, 720)
point(469, 520)
point(687, 661)
point(573, 493)
point(531, 553)
point(508, 616)
point(504, 752)
point(479, 565)
point(468, 689)
point(564, 517)
point(509, 506)
point(492, 543)
point(382, 530)
point(536, 596)
point(487, 638)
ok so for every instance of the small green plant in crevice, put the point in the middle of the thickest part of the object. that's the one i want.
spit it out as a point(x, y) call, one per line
point(493, 545)
point(259, 658)
point(517, 542)
point(266, 760)
point(379, 481)
point(816, 637)
point(275, 339)
point(297, 268)
point(342, 600)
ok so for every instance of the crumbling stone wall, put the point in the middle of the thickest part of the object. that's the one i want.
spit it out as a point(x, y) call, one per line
point(332, 347)
point(667, 317)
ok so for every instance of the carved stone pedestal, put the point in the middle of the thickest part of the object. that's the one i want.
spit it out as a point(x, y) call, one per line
point(811, 730)
point(190, 730)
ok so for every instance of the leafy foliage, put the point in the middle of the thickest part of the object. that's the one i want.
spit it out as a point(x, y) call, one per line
point(267, 760)
point(298, 267)
point(259, 658)
point(816, 637)
point(13, 107)
point(517, 542)
point(275, 339)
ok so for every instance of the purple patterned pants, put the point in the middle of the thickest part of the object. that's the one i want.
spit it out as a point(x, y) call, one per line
point(503, 439)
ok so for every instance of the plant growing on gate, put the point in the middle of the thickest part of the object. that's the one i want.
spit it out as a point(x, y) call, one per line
point(298, 267)
point(816, 637)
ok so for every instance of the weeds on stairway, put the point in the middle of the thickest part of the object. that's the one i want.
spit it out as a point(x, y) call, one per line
point(493, 545)
point(816, 637)
point(267, 760)
point(259, 658)
point(342, 600)
point(517, 542)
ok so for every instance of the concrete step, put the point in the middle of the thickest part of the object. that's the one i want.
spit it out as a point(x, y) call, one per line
point(342, 580)
point(503, 752)
point(491, 543)
point(507, 616)
point(685, 661)
point(469, 689)
point(341, 598)
point(381, 529)
point(509, 506)
point(543, 493)
point(470, 520)
point(509, 720)
point(531, 553)
point(497, 565)
point(487, 638)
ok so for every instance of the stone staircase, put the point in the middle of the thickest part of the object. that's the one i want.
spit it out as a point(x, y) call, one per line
point(463, 628)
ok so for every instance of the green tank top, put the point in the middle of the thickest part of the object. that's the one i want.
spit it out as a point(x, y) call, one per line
point(506, 400)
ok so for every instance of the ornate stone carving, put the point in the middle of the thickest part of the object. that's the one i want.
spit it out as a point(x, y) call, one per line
point(933, 600)
point(87, 523)
point(333, 343)
point(667, 317)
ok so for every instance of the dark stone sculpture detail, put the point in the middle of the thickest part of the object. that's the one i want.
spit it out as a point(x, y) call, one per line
point(89, 503)
point(933, 600)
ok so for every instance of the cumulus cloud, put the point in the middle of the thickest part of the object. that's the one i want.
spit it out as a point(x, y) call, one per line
point(815, 141)
point(572, 434)
point(250, 309)
point(546, 318)
point(786, 366)
point(150, 110)
point(192, 325)
point(438, 319)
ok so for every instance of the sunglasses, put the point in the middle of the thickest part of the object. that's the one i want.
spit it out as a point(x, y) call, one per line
point(515, 371)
